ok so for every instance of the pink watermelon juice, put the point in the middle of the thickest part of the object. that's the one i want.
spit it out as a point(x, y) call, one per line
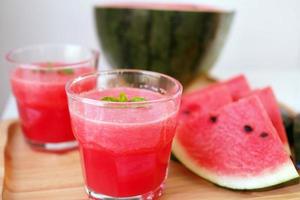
point(42, 101)
point(125, 152)
point(38, 77)
point(125, 121)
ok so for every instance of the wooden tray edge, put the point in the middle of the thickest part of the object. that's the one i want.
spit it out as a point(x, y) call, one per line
point(7, 125)
point(4, 128)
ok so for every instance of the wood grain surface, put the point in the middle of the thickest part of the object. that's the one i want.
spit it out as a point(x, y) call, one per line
point(26, 174)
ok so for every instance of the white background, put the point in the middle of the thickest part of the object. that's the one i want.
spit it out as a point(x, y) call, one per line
point(264, 42)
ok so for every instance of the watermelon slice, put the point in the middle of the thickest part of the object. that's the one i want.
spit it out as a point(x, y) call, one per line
point(238, 86)
point(268, 99)
point(236, 146)
point(203, 101)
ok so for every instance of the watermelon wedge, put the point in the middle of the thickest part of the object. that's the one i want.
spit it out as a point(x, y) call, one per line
point(268, 99)
point(203, 101)
point(238, 86)
point(235, 146)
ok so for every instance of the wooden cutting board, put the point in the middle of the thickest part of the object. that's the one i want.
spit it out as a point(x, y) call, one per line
point(26, 174)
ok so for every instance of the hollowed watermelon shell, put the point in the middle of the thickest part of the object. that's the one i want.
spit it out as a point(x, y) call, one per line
point(223, 152)
point(179, 40)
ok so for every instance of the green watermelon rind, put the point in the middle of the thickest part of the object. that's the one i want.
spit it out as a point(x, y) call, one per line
point(285, 172)
point(161, 40)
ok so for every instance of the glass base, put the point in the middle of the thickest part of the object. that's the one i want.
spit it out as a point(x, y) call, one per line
point(155, 194)
point(55, 147)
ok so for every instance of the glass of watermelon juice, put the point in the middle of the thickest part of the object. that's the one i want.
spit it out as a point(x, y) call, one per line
point(125, 121)
point(38, 79)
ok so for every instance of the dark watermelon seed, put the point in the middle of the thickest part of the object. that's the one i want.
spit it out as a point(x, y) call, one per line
point(248, 128)
point(186, 112)
point(213, 119)
point(264, 134)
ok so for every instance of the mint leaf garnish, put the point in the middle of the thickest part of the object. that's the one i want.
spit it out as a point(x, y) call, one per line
point(42, 71)
point(137, 99)
point(49, 67)
point(67, 71)
point(111, 99)
point(122, 98)
point(44, 68)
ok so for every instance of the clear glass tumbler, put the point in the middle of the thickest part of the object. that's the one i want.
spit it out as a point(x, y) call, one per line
point(125, 121)
point(38, 77)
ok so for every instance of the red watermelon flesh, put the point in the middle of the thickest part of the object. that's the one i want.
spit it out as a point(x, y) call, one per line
point(268, 99)
point(239, 149)
point(237, 86)
point(201, 102)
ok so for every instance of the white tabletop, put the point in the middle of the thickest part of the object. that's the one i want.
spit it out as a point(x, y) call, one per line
point(286, 85)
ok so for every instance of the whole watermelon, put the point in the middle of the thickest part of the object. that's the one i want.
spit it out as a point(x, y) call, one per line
point(179, 40)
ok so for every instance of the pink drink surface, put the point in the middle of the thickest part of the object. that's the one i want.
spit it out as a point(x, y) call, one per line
point(125, 151)
point(42, 102)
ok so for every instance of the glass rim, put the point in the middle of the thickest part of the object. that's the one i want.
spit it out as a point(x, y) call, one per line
point(65, 65)
point(102, 103)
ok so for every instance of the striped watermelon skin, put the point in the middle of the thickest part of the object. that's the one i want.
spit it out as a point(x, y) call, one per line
point(178, 43)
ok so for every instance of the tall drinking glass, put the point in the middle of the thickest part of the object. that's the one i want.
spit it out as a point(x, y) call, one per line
point(125, 121)
point(38, 79)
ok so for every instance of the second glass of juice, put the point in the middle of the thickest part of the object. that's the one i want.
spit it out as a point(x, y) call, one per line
point(125, 121)
point(38, 82)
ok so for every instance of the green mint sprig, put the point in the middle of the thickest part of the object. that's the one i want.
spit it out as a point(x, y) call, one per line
point(67, 71)
point(50, 68)
point(137, 99)
point(122, 98)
